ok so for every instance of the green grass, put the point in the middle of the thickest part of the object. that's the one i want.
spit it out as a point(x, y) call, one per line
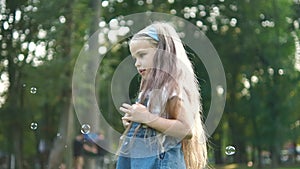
point(240, 166)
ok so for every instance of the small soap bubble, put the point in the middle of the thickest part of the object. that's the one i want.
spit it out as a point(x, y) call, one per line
point(229, 150)
point(33, 90)
point(33, 126)
point(85, 128)
point(58, 135)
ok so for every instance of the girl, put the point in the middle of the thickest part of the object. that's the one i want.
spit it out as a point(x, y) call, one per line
point(163, 128)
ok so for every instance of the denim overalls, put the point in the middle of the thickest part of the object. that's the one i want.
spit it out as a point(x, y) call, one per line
point(141, 149)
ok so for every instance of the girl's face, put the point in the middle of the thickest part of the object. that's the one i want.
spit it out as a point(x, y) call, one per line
point(143, 52)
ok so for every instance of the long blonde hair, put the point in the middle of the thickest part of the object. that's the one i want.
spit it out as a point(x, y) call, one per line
point(173, 67)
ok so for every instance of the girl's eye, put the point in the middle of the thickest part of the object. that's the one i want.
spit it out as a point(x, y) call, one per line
point(142, 55)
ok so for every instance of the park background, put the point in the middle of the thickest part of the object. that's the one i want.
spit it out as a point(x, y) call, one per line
point(257, 42)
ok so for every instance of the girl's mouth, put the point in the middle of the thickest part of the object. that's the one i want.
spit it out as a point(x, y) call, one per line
point(142, 71)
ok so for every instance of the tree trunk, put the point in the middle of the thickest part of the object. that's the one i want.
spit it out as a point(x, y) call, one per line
point(240, 156)
point(259, 162)
point(14, 98)
point(234, 122)
point(18, 147)
point(275, 155)
point(61, 152)
point(92, 118)
point(217, 150)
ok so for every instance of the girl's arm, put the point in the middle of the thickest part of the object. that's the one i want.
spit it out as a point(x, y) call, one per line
point(179, 125)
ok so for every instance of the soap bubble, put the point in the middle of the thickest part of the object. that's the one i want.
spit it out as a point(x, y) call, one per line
point(33, 126)
point(33, 90)
point(85, 128)
point(229, 150)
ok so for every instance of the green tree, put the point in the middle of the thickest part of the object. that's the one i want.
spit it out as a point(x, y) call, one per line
point(19, 38)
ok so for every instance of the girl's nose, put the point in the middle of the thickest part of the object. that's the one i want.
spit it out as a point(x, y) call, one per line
point(137, 63)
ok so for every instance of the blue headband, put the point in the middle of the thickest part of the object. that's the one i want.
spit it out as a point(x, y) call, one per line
point(151, 31)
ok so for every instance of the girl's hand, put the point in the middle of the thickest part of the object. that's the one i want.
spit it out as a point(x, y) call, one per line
point(125, 122)
point(137, 113)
